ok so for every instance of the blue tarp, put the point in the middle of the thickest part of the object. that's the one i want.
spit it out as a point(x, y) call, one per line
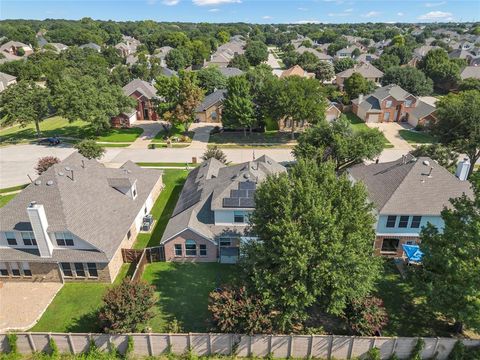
point(413, 252)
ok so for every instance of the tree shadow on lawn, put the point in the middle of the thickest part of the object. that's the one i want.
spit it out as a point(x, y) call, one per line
point(30, 134)
point(85, 324)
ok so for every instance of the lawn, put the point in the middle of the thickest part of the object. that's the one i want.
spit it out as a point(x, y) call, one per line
point(358, 124)
point(416, 137)
point(4, 199)
point(239, 139)
point(59, 126)
point(183, 292)
point(165, 164)
point(176, 131)
point(173, 180)
point(74, 309)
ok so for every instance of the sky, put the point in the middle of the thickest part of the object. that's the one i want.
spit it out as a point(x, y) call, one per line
point(252, 11)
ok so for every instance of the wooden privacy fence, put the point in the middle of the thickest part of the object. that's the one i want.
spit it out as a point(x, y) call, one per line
point(142, 258)
point(280, 346)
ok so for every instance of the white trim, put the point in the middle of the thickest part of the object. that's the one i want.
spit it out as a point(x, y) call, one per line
point(399, 234)
point(188, 228)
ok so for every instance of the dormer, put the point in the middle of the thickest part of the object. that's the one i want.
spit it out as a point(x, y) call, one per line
point(125, 185)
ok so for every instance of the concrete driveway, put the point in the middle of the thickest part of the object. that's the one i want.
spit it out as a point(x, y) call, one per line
point(23, 303)
point(392, 133)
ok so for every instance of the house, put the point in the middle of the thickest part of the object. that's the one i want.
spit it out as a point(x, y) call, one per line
point(226, 52)
point(420, 52)
point(230, 71)
point(59, 47)
point(72, 222)
point(144, 93)
point(128, 46)
point(92, 46)
point(297, 70)
point(320, 55)
point(393, 104)
point(332, 112)
point(347, 52)
point(210, 109)
point(366, 58)
point(210, 219)
point(461, 54)
point(6, 80)
point(407, 194)
point(470, 72)
point(161, 53)
point(15, 48)
point(424, 113)
point(368, 71)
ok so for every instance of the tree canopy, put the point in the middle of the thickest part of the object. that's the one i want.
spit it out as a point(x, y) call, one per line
point(210, 79)
point(409, 79)
point(256, 52)
point(238, 108)
point(356, 84)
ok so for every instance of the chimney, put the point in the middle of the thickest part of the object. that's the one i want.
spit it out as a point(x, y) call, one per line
point(463, 168)
point(360, 98)
point(38, 220)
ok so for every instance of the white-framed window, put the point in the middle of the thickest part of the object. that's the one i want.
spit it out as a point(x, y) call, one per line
point(388, 103)
point(178, 250)
point(3, 269)
point(66, 269)
point(28, 238)
point(64, 238)
point(14, 269)
point(203, 250)
point(238, 217)
point(416, 220)
point(11, 239)
point(79, 269)
point(408, 103)
point(403, 223)
point(92, 270)
point(386, 116)
point(190, 248)
point(391, 220)
point(26, 269)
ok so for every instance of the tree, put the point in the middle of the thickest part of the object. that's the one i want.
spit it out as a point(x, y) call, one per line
point(307, 61)
point(223, 36)
point(444, 155)
point(356, 84)
point(25, 103)
point(178, 58)
point(239, 61)
point(404, 53)
point(343, 64)
point(458, 123)
point(316, 232)
point(298, 100)
point(398, 40)
point(367, 316)
point(356, 53)
point(45, 163)
point(215, 153)
point(338, 143)
point(210, 79)
point(444, 72)
point(256, 52)
point(451, 262)
point(238, 108)
point(127, 307)
point(90, 149)
point(324, 71)
point(469, 84)
point(236, 311)
point(409, 79)
point(386, 61)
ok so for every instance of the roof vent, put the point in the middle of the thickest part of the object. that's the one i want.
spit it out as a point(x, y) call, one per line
point(38, 182)
point(426, 162)
point(246, 176)
point(61, 173)
point(49, 182)
point(33, 203)
point(67, 168)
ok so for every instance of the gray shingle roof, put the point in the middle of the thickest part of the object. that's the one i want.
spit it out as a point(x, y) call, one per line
point(366, 70)
point(396, 188)
point(470, 72)
point(5, 80)
point(205, 189)
point(88, 207)
point(230, 71)
point(318, 54)
point(373, 100)
point(145, 88)
point(211, 100)
point(91, 45)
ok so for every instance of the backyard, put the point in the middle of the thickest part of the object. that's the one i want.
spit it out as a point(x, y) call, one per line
point(58, 126)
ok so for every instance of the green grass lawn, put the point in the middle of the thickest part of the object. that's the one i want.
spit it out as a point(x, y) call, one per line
point(238, 138)
point(75, 307)
point(415, 137)
point(148, 164)
point(173, 180)
point(59, 126)
point(176, 130)
point(183, 292)
point(4, 199)
point(358, 124)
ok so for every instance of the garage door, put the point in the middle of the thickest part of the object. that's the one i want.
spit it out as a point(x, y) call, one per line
point(372, 118)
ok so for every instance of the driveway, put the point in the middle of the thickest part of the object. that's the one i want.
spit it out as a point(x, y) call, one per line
point(150, 129)
point(392, 133)
point(272, 61)
point(23, 303)
point(202, 135)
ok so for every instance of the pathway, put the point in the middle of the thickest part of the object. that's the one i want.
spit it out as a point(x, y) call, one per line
point(391, 131)
point(202, 135)
point(150, 130)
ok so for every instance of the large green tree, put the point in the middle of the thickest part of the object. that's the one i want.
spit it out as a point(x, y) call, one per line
point(450, 275)
point(458, 123)
point(410, 79)
point(316, 232)
point(343, 64)
point(444, 72)
point(324, 71)
point(238, 108)
point(210, 79)
point(25, 103)
point(356, 84)
point(386, 61)
point(256, 52)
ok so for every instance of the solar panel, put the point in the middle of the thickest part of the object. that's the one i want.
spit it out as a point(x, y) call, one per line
point(231, 202)
point(250, 193)
point(247, 185)
point(247, 202)
point(238, 193)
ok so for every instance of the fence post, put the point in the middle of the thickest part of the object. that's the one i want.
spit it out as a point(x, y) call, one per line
point(372, 343)
point(394, 347)
point(209, 344)
point(269, 345)
point(435, 348)
point(70, 342)
point(189, 342)
point(330, 346)
point(310, 347)
point(249, 345)
point(350, 347)
point(32, 344)
point(169, 343)
point(150, 346)
point(230, 344)
point(290, 346)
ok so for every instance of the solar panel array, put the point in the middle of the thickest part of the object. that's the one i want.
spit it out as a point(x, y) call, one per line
point(243, 197)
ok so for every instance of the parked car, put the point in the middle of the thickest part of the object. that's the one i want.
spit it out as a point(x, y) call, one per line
point(52, 141)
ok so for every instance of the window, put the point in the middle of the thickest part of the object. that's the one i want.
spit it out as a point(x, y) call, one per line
point(129, 234)
point(408, 103)
point(28, 238)
point(403, 223)
point(178, 249)
point(15, 269)
point(388, 104)
point(225, 242)
point(386, 116)
point(190, 248)
point(66, 269)
point(10, 236)
point(416, 220)
point(26, 269)
point(238, 217)
point(390, 245)
point(64, 239)
point(3, 269)
point(391, 220)
point(79, 269)
point(92, 270)
point(203, 250)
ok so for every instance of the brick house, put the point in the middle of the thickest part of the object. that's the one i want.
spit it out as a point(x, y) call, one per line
point(211, 216)
point(393, 104)
point(368, 71)
point(144, 93)
point(407, 194)
point(13, 48)
point(210, 109)
point(332, 113)
point(71, 223)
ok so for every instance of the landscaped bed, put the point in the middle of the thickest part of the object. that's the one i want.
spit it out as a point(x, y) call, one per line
point(417, 137)
point(176, 135)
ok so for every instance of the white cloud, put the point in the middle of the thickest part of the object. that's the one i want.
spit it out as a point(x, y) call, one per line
point(214, 2)
point(335, 1)
point(266, 17)
point(170, 2)
point(371, 14)
point(307, 22)
point(434, 4)
point(400, 14)
point(435, 15)
point(302, 9)
point(214, 10)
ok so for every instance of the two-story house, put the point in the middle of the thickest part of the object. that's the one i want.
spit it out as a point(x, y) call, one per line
point(393, 104)
point(72, 222)
point(367, 70)
point(211, 216)
point(226, 52)
point(407, 194)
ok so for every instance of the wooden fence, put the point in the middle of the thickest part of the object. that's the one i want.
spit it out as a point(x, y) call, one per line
point(141, 258)
point(280, 346)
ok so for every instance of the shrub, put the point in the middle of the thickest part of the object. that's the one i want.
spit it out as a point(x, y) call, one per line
point(127, 307)
point(216, 153)
point(90, 149)
point(373, 354)
point(174, 327)
point(12, 344)
point(417, 350)
point(366, 317)
point(53, 348)
point(46, 162)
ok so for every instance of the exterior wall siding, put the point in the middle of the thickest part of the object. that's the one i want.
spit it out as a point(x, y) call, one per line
point(212, 249)
point(399, 251)
point(41, 272)
point(206, 116)
point(383, 229)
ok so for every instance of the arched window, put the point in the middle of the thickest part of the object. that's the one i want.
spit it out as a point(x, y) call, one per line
point(190, 248)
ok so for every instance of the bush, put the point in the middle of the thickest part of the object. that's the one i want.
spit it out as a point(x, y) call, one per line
point(417, 350)
point(90, 149)
point(366, 317)
point(461, 352)
point(373, 354)
point(127, 307)
point(216, 153)
point(12, 344)
point(45, 162)
point(53, 348)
